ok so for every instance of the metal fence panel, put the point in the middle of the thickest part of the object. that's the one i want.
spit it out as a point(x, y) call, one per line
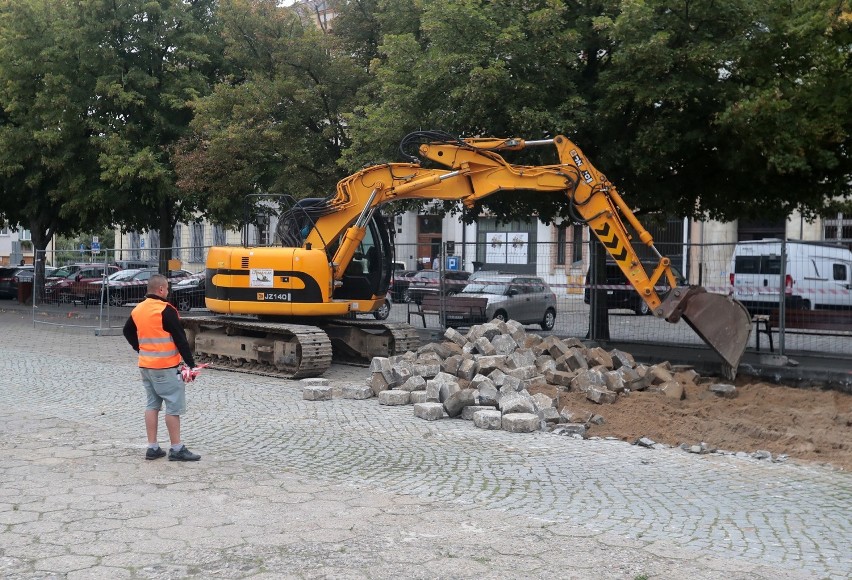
point(810, 277)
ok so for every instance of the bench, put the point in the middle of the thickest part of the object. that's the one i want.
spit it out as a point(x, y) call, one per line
point(458, 310)
point(808, 322)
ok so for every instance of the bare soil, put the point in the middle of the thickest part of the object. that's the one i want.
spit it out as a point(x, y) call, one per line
point(806, 424)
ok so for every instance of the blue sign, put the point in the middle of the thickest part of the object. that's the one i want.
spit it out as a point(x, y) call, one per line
point(82, 248)
point(96, 247)
point(453, 263)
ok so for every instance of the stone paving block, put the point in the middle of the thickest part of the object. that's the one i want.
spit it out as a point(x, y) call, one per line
point(455, 336)
point(378, 382)
point(468, 412)
point(317, 393)
point(418, 397)
point(724, 390)
point(451, 364)
point(456, 402)
point(516, 403)
point(503, 345)
point(429, 411)
point(394, 397)
point(315, 381)
point(415, 383)
point(356, 392)
point(489, 364)
point(468, 368)
point(488, 394)
point(489, 419)
point(521, 422)
point(600, 396)
point(621, 359)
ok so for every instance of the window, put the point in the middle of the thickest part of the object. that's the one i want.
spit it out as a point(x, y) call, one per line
point(197, 242)
point(262, 231)
point(135, 241)
point(218, 235)
point(4, 231)
point(839, 272)
point(757, 265)
point(176, 244)
point(569, 252)
point(154, 245)
point(25, 235)
point(839, 229)
point(577, 243)
point(428, 224)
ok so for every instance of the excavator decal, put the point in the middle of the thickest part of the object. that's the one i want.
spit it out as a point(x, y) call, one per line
point(612, 244)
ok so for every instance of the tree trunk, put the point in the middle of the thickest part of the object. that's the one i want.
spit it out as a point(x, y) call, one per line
point(598, 312)
point(167, 236)
point(40, 237)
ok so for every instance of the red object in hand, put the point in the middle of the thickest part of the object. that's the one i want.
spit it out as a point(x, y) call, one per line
point(188, 374)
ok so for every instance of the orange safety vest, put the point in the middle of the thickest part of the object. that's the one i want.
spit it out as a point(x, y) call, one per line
point(157, 349)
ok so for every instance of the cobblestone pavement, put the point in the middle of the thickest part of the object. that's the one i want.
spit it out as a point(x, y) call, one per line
point(346, 488)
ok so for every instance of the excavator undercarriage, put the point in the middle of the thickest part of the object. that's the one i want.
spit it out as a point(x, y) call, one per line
point(293, 351)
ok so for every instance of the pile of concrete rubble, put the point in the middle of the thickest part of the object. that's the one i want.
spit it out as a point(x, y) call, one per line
point(487, 375)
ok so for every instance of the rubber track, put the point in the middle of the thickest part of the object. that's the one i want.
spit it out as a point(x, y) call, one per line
point(314, 342)
point(405, 337)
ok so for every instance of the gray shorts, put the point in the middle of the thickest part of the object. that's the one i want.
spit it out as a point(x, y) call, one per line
point(164, 385)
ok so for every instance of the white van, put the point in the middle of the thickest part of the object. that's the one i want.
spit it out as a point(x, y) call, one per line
point(816, 275)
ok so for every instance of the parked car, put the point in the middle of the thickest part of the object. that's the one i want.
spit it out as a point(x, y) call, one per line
point(188, 293)
point(816, 276)
point(621, 294)
point(399, 283)
point(94, 290)
point(27, 273)
point(481, 275)
point(70, 283)
point(429, 282)
point(9, 282)
point(527, 299)
point(135, 264)
point(128, 286)
point(6, 277)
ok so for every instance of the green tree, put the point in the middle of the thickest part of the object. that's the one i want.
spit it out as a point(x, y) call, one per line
point(730, 109)
point(49, 170)
point(275, 124)
point(723, 109)
point(151, 59)
point(513, 68)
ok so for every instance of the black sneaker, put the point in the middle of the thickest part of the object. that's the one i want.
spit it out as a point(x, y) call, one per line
point(183, 454)
point(155, 453)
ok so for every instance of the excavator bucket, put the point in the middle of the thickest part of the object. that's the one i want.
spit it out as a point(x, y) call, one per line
point(722, 322)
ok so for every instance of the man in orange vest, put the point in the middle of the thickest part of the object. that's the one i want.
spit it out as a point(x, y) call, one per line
point(155, 332)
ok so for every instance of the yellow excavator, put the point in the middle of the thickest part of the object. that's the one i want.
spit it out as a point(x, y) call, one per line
point(284, 309)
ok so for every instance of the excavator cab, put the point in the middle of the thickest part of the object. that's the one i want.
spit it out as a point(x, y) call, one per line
point(369, 273)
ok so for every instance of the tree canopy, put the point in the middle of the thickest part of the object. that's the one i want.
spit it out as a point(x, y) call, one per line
point(275, 122)
point(724, 110)
point(49, 174)
point(144, 113)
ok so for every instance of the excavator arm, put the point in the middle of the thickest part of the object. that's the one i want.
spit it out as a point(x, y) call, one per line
point(475, 170)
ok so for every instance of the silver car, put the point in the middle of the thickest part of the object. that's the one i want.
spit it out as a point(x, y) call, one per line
point(527, 299)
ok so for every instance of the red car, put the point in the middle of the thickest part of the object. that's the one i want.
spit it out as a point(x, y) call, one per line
point(127, 286)
point(70, 283)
